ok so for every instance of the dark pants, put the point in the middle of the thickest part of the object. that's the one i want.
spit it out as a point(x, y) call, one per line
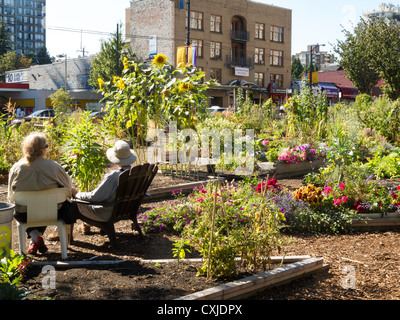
point(68, 213)
point(21, 217)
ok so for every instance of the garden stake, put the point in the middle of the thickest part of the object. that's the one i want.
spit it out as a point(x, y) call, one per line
point(212, 231)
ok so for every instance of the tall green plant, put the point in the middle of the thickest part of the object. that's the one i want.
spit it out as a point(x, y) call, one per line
point(307, 114)
point(155, 92)
point(84, 155)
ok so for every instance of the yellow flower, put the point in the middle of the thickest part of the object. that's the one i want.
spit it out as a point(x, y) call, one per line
point(125, 62)
point(160, 60)
point(184, 86)
point(101, 82)
point(115, 79)
point(121, 84)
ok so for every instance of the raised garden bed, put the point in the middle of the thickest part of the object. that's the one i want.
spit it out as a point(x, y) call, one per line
point(283, 170)
point(250, 285)
point(372, 221)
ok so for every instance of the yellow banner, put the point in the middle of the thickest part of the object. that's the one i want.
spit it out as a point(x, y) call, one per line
point(181, 57)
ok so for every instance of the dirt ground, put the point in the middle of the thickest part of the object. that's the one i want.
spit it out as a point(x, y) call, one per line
point(372, 259)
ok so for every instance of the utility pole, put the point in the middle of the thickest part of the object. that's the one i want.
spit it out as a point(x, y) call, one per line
point(188, 30)
point(117, 62)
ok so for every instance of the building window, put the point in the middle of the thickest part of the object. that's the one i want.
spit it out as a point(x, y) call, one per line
point(200, 69)
point(215, 50)
point(276, 81)
point(276, 58)
point(259, 79)
point(196, 20)
point(259, 56)
point(215, 24)
point(199, 45)
point(260, 31)
point(276, 34)
point(215, 74)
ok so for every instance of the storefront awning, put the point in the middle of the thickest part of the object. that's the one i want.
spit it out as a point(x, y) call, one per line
point(14, 86)
point(331, 90)
point(348, 92)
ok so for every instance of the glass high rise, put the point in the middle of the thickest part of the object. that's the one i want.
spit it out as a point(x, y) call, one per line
point(25, 21)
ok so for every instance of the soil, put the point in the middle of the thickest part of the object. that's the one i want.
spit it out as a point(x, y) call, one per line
point(373, 257)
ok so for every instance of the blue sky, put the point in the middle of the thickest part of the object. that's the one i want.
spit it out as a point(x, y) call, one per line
point(313, 21)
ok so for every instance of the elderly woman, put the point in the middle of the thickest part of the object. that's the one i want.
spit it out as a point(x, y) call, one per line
point(33, 173)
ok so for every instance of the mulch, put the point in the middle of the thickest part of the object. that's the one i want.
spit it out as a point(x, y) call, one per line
point(372, 257)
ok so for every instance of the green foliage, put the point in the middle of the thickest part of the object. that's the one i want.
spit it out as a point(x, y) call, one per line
point(356, 60)
point(12, 292)
point(61, 102)
point(371, 53)
point(12, 269)
point(5, 40)
point(158, 93)
point(104, 65)
point(382, 115)
point(307, 115)
point(84, 151)
point(297, 69)
point(11, 61)
point(180, 249)
point(385, 165)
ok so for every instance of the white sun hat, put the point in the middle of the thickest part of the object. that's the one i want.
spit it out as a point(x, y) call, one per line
point(121, 154)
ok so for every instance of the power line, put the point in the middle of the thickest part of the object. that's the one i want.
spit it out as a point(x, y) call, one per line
point(206, 43)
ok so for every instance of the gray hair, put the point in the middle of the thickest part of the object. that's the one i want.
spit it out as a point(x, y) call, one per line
point(33, 146)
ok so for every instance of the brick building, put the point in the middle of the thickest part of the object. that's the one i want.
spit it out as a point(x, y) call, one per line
point(239, 42)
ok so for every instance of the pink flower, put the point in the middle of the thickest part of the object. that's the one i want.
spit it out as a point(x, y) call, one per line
point(199, 199)
point(337, 202)
point(345, 198)
point(341, 186)
point(327, 189)
point(203, 191)
point(264, 142)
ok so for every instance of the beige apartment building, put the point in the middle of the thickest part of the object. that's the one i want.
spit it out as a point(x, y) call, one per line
point(239, 42)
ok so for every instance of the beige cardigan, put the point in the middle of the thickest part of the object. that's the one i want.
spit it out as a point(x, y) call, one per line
point(41, 174)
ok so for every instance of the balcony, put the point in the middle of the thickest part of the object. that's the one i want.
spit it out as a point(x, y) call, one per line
point(243, 36)
point(243, 62)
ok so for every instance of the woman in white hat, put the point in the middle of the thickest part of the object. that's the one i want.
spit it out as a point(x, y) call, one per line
point(124, 157)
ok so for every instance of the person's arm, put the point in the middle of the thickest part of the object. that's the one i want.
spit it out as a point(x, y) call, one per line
point(103, 191)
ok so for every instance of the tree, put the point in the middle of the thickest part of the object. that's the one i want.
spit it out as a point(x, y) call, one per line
point(297, 69)
point(11, 61)
point(43, 56)
point(5, 41)
point(384, 45)
point(371, 53)
point(61, 101)
point(104, 65)
point(356, 60)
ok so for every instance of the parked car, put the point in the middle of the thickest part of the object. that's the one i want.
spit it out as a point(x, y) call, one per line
point(45, 114)
point(97, 115)
point(215, 109)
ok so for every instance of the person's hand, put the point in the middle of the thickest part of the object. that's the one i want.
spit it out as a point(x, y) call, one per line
point(74, 192)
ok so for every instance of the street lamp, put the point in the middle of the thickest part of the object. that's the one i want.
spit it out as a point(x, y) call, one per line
point(65, 69)
point(312, 48)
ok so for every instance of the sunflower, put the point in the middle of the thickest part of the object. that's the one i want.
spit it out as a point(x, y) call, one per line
point(121, 84)
point(184, 86)
point(125, 62)
point(160, 60)
point(101, 82)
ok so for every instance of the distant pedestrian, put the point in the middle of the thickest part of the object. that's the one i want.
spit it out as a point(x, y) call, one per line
point(19, 112)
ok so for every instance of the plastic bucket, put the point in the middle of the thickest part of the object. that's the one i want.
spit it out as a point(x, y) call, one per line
point(6, 218)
